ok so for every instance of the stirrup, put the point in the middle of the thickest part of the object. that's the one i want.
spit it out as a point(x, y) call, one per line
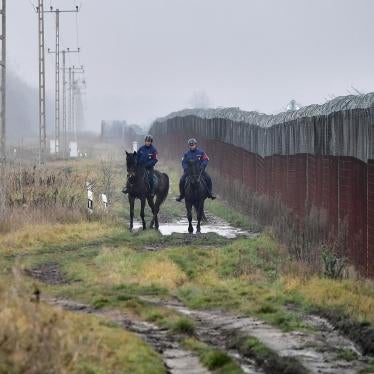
point(179, 198)
point(125, 191)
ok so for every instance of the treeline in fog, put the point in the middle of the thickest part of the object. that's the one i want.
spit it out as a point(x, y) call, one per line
point(22, 110)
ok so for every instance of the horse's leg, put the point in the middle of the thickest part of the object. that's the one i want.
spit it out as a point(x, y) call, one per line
point(200, 214)
point(152, 206)
point(156, 210)
point(189, 216)
point(142, 201)
point(199, 211)
point(131, 201)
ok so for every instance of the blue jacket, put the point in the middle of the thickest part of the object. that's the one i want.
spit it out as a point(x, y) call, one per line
point(147, 156)
point(197, 154)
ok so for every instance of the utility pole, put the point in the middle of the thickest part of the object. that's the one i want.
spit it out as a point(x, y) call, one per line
point(70, 111)
point(57, 13)
point(64, 143)
point(57, 85)
point(3, 83)
point(42, 129)
point(63, 104)
point(73, 101)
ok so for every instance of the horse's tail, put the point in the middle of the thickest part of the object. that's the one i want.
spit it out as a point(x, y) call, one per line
point(164, 191)
point(203, 216)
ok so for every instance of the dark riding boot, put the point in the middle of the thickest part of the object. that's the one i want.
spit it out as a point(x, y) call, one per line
point(211, 195)
point(124, 190)
point(151, 182)
point(181, 188)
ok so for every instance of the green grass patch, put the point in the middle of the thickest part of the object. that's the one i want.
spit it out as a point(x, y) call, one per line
point(223, 210)
point(213, 359)
point(264, 357)
point(184, 326)
point(347, 355)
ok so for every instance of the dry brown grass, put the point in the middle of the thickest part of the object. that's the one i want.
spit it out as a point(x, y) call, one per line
point(32, 237)
point(355, 297)
point(163, 272)
point(31, 195)
point(55, 193)
point(36, 338)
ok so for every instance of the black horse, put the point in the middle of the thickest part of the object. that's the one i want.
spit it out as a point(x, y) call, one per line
point(195, 194)
point(138, 188)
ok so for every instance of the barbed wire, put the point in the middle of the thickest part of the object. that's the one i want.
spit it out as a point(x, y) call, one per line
point(266, 120)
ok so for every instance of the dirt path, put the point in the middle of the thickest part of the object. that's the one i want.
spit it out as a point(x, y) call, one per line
point(176, 359)
point(318, 351)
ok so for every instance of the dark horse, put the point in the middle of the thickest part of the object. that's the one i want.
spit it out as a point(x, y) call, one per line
point(195, 194)
point(138, 188)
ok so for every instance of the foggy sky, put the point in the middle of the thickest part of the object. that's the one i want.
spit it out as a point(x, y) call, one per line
point(146, 58)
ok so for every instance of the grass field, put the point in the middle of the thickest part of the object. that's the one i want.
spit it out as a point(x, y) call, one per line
point(104, 265)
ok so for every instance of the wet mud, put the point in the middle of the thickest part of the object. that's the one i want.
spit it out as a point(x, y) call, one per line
point(361, 333)
point(48, 272)
point(318, 351)
point(176, 359)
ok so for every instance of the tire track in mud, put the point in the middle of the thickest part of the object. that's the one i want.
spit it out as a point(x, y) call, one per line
point(47, 272)
point(318, 351)
point(176, 359)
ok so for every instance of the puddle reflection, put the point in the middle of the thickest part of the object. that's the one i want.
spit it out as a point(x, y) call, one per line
point(220, 227)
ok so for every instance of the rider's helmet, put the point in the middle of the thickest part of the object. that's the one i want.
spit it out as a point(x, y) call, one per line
point(148, 138)
point(192, 141)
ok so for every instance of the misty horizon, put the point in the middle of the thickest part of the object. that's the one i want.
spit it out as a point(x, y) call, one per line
point(144, 60)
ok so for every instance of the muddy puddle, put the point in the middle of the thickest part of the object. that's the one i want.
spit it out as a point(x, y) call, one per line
point(213, 225)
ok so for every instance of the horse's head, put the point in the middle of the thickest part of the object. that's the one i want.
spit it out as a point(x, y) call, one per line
point(193, 170)
point(131, 164)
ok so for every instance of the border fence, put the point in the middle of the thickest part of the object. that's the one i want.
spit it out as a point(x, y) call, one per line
point(320, 157)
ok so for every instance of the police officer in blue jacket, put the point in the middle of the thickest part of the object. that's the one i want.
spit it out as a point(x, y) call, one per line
point(195, 153)
point(147, 157)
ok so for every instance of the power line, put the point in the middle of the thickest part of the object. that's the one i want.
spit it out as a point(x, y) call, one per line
point(33, 5)
point(77, 33)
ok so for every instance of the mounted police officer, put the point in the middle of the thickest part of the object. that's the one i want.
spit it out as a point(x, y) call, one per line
point(199, 155)
point(147, 157)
